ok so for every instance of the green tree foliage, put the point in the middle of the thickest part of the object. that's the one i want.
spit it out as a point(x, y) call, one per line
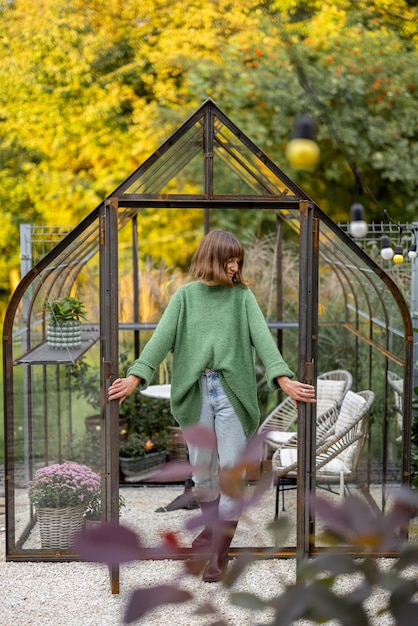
point(353, 67)
point(90, 89)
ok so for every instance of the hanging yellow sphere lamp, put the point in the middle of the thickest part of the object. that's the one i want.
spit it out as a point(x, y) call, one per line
point(302, 151)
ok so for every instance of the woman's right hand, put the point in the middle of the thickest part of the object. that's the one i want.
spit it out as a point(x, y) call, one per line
point(298, 391)
point(121, 388)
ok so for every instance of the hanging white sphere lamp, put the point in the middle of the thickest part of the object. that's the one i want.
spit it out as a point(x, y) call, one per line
point(358, 225)
point(412, 252)
point(386, 250)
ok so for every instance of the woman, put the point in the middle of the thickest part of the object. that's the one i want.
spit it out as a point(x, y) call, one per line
point(214, 325)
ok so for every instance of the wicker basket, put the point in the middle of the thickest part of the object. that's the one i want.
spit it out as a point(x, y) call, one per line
point(59, 527)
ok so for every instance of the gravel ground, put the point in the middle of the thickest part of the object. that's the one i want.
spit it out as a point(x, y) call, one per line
point(78, 594)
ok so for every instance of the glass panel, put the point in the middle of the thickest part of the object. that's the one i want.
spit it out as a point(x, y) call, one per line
point(179, 168)
point(246, 166)
point(161, 176)
point(46, 418)
point(362, 331)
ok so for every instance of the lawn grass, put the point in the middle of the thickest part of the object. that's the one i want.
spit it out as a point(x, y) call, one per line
point(49, 432)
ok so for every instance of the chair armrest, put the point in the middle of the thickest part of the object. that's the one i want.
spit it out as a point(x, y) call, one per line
point(283, 417)
point(334, 449)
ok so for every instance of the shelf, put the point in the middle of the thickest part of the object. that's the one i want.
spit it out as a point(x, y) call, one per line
point(152, 325)
point(43, 355)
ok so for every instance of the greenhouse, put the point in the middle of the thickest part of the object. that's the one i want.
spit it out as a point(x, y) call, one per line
point(341, 321)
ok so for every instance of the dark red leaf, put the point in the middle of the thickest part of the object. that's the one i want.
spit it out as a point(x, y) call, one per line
point(144, 600)
point(255, 450)
point(195, 565)
point(353, 517)
point(176, 471)
point(200, 436)
point(109, 543)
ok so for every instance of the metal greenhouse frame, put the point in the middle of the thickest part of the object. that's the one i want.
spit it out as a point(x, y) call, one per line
point(209, 155)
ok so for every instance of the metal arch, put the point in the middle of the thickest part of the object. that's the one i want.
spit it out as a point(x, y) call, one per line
point(350, 270)
point(406, 319)
point(353, 271)
point(408, 344)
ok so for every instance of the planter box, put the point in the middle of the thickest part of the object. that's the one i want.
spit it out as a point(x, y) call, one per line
point(132, 466)
point(177, 446)
point(92, 523)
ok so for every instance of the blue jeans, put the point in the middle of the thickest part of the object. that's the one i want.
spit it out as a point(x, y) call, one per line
point(217, 415)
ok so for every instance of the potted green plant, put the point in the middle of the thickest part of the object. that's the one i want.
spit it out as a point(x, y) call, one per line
point(141, 419)
point(60, 494)
point(85, 449)
point(64, 324)
point(85, 380)
point(93, 512)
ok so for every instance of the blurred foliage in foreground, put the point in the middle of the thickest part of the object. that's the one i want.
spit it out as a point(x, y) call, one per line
point(314, 596)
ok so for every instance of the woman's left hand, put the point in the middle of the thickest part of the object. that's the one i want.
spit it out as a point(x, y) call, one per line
point(299, 392)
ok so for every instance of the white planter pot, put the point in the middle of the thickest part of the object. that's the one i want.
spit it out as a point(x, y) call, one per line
point(64, 336)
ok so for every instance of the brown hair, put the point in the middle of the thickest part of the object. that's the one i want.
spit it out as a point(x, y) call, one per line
point(210, 259)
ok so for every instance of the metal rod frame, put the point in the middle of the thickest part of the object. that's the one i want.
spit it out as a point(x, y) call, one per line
point(107, 219)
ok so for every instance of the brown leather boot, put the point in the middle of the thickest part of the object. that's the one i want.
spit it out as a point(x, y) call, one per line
point(205, 538)
point(215, 570)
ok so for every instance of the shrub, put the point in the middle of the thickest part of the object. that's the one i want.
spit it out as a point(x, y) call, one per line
point(63, 485)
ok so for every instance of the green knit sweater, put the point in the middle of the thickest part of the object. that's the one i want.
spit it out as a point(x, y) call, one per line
point(212, 327)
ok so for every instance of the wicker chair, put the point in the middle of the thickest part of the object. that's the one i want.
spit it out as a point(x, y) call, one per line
point(280, 425)
point(341, 435)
